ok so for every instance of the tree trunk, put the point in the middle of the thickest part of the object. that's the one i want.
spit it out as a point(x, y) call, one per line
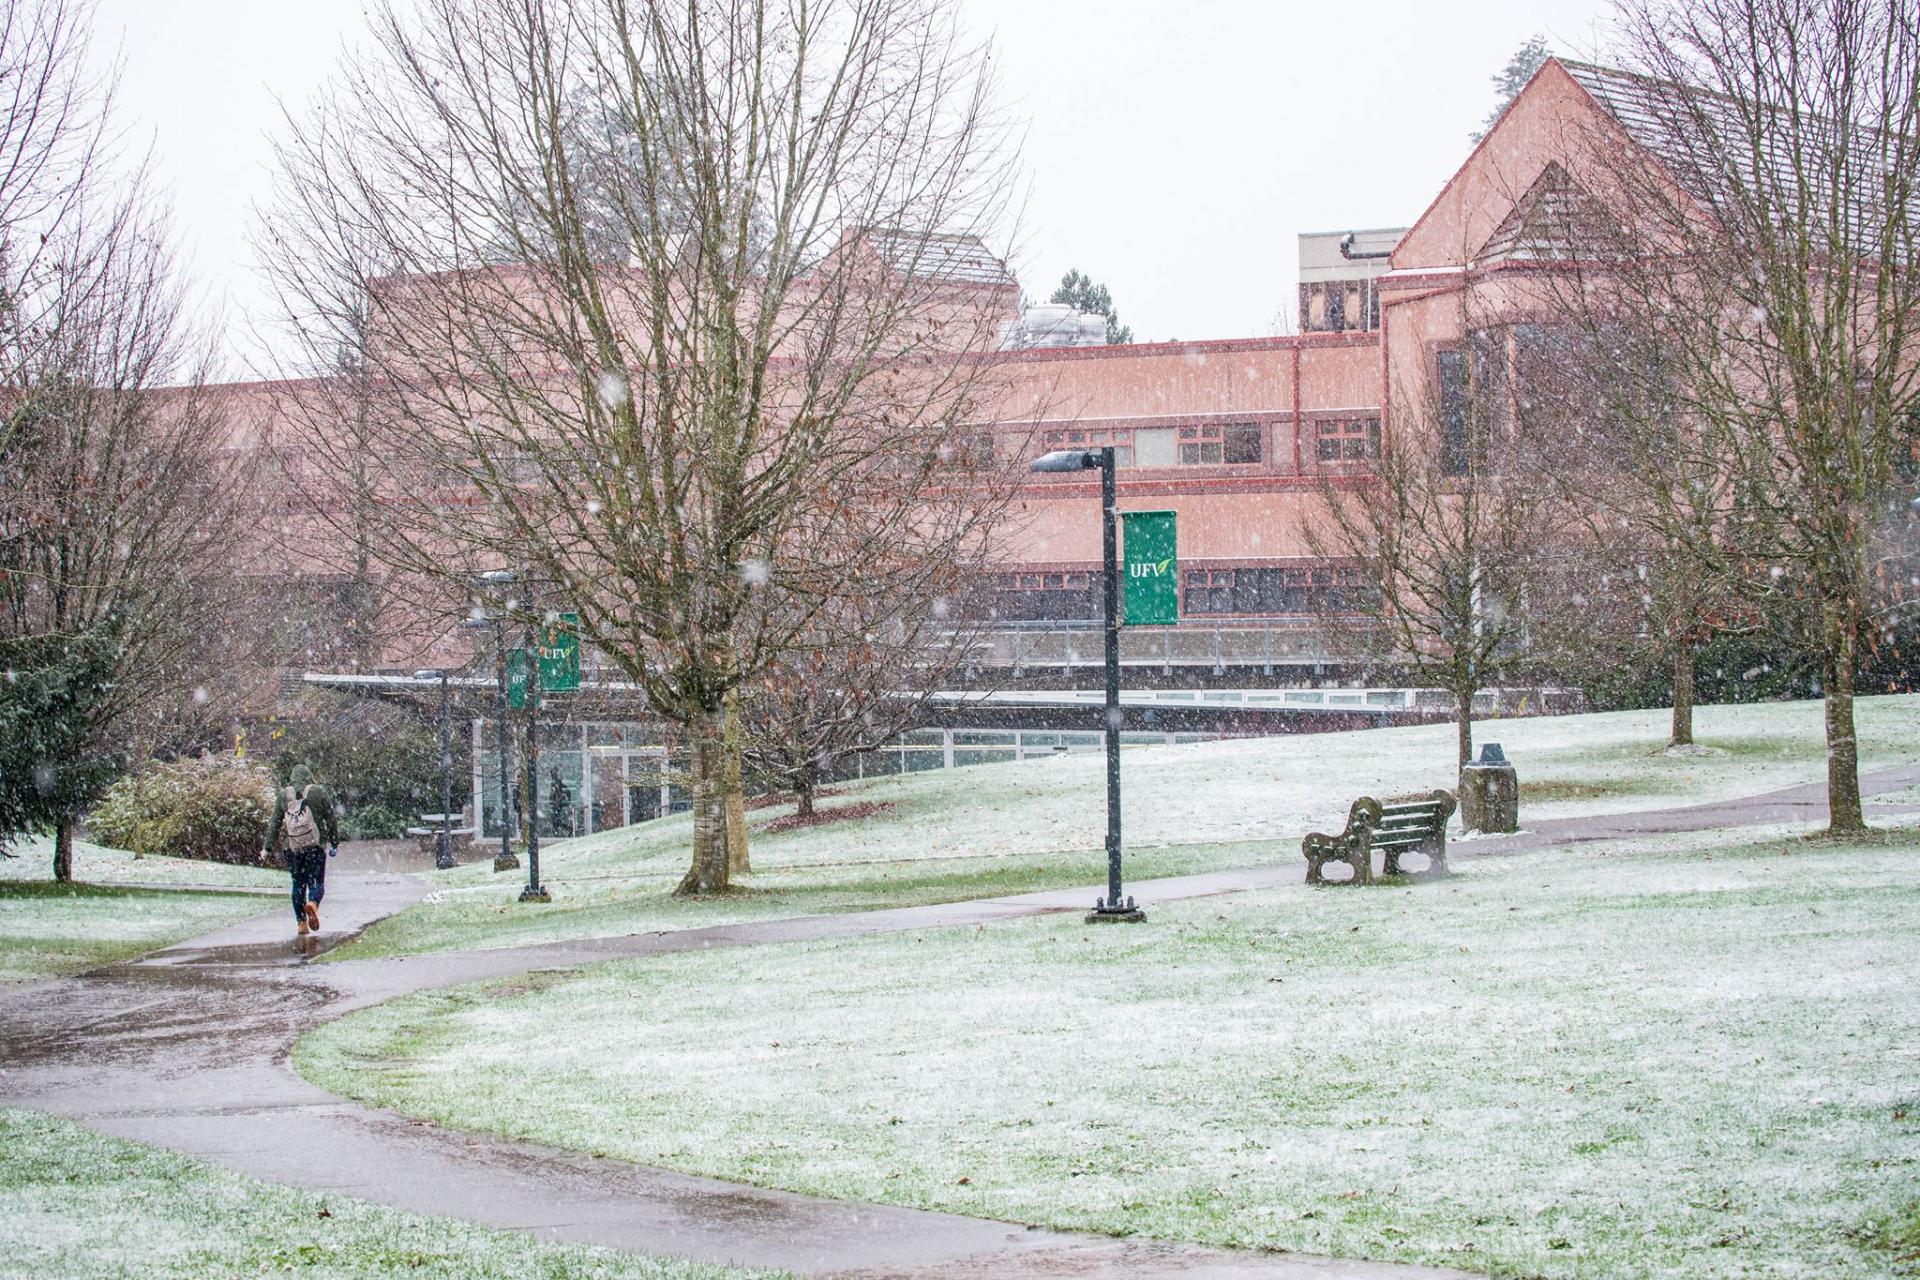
point(733, 797)
point(1681, 734)
point(63, 852)
point(1844, 817)
point(708, 874)
point(803, 784)
point(1463, 720)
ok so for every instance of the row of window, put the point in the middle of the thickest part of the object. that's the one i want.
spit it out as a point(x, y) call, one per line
point(1230, 444)
point(1274, 591)
point(1060, 597)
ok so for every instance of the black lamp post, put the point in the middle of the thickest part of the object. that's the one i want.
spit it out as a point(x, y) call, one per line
point(443, 845)
point(1111, 907)
point(535, 891)
point(489, 619)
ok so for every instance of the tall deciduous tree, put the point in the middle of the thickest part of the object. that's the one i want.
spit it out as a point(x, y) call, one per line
point(697, 395)
point(121, 505)
point(1759, 164)
point(1662, 546)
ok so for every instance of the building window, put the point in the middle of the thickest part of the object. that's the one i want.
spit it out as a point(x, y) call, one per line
point(1043, 597)
point(1093, 438)
point(1274, 592)
point(1215, 444)
point(1348, 440)
point(1455, 391)
point(1207, 591)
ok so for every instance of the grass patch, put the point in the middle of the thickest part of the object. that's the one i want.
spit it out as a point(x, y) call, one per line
point(48, 929)
point(1559, 790)
point(1688, 1057)
point(463, 917)
point(1040, 824)
point(75, 1205)
point(99, 864)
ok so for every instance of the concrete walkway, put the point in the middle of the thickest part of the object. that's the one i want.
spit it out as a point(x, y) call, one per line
point(187, 1048)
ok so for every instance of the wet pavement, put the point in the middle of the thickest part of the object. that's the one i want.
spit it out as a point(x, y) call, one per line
point(188, 1048)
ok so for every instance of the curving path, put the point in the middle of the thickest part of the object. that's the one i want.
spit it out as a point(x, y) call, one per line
point(187, 1048)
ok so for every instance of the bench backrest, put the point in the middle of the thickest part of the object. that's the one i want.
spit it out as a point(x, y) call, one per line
point(1409, 823)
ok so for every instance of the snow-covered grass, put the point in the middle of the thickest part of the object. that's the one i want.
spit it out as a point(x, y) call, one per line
point(48, 929)
point(99, 864)
point(1676, 1057)
point(991, 829)
point(75, 1205)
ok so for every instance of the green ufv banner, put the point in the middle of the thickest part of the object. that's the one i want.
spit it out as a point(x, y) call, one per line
point(559, 644)
point(1151, 565)
point(517, 678)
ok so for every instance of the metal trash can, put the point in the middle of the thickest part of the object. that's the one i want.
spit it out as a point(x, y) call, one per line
point(1490, 792)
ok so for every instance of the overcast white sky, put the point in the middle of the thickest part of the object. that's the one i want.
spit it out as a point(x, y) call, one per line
point(1175, 147)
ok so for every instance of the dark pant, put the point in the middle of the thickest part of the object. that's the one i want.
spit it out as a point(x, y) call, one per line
point(309, 868)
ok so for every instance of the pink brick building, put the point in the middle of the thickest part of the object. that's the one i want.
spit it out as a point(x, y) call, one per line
point(1236, 436)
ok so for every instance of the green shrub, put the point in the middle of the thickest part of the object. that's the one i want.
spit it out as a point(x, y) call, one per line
point(369, 755)
point(215, 808)
point(373, 822)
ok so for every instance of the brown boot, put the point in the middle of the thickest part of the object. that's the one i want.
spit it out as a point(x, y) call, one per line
point(300, 926)
point(313, 916)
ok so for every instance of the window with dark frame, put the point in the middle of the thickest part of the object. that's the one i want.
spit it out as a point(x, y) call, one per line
point(1347, 440)
point(1120, 438)
point(1451, 365)
point(1044, 597)
point(1221, 444)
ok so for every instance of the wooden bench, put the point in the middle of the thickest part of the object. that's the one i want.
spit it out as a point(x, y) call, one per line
point(1404, 824)
point(1414, 824)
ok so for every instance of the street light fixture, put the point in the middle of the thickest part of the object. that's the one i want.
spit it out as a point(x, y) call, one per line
point(443, 846)
point(1112, 907)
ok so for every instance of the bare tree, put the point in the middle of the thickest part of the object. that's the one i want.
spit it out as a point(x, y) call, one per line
point(695, 384)
point(859, 674)
point(1757, 165)
point(122, 501)
point(1447, 528)
point(1660, 549)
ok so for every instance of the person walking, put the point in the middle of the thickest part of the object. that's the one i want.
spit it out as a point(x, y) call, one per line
point(304, 820)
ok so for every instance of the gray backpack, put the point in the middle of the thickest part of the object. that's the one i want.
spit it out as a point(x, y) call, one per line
point(298, 830)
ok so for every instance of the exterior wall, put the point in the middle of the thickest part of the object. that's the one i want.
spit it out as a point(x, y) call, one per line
point(1251, 513)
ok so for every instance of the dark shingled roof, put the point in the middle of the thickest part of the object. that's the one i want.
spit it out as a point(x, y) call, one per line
point(1703, 142)
point(960, 259)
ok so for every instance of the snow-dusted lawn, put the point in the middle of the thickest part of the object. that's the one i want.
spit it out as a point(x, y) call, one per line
point(1001, 828)
point(1691, 1057)
point(48, 929)
point(99, 864)
point(78, 1206)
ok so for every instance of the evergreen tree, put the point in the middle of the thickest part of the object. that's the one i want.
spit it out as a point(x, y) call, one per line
point(1512, 78)
point(1082, 294)
point(52, 765)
